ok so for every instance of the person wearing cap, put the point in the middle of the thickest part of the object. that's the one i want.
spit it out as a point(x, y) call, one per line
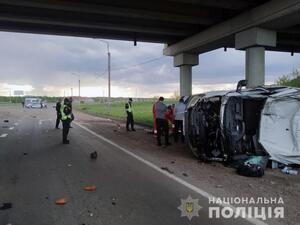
point(179, 116)
point(66, 118)
point(161, 122)
point(128, 108)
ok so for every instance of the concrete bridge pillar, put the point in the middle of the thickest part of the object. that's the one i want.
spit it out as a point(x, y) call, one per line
point(255, 66)
point(254, 42)
point(185, 61)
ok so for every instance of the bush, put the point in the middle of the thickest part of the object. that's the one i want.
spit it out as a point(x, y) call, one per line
point(292, 79)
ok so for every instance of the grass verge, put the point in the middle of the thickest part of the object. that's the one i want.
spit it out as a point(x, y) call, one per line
point(142, 111)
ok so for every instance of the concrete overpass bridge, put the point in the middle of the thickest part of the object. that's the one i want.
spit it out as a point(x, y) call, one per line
point(186, 27)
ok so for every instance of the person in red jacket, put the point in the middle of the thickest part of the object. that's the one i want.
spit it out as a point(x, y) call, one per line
point(170, 117)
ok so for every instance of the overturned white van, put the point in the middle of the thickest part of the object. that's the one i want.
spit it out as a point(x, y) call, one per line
point(232, 124)
point(280, 126)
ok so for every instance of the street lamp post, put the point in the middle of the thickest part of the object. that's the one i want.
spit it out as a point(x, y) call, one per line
point(79, 87)
point(108, 66)
point(78, 83)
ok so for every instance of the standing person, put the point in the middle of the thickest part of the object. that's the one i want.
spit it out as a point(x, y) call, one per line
point(161, 122)
point(58, 113)
point(72, 115)
point(154, 120)
point(66, 119)
point(170, 114)
point(128, 108)
point(23, 103)
point(170, 118)
point(179, 116)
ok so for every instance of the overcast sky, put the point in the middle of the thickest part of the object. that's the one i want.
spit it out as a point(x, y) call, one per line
point(43, 65)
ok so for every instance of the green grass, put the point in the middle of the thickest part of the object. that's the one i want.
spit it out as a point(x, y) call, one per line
point(142, 111)
point(10, 104)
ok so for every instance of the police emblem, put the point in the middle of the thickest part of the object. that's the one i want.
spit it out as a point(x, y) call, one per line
point(189, 207)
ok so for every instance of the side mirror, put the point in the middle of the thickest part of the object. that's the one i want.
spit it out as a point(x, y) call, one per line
point(241, 83)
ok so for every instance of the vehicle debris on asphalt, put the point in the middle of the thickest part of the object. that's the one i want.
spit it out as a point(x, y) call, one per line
point(6, 206)
point(113, 200)
point(167, 169)
point(289, 170)
point(94, 155)
point(61, 201)
point(254, 166)
point(90, 188)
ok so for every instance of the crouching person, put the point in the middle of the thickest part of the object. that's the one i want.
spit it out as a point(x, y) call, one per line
point(66, 118)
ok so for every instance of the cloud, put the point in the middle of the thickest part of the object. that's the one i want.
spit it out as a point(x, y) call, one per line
point(46, 63)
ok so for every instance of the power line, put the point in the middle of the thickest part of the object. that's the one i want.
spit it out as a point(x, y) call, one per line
point(98, 76)
point(139, 64)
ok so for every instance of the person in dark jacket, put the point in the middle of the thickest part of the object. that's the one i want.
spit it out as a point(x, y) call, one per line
point(66, 119)
point(58, 113)
point(161, 122)
point(128, 108)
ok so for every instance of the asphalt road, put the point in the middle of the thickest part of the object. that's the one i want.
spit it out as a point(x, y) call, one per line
point(36, 169)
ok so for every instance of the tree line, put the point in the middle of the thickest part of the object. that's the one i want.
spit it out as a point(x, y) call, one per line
point(292, 79)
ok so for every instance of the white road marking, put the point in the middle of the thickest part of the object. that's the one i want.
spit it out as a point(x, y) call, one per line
point(172, 176)
point(16, 124)
point(11, 128)
point(3, 135)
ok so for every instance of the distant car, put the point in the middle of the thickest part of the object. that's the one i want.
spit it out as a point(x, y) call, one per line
point(33, 103)
point(228, 125)
point(36, 105)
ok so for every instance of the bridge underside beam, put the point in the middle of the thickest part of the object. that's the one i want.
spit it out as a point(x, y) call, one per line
point(286, 13)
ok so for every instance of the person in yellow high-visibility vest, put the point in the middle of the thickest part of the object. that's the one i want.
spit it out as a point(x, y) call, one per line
point(66, 118)
point(128, 108)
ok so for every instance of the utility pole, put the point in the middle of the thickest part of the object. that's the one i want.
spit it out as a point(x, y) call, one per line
point(75, 74)
point(71, 92)
point(108, 66)
point(79, 87)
